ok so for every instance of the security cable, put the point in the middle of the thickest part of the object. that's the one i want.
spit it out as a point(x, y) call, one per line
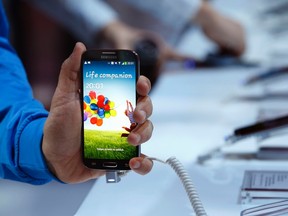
point(115, 176)
point(187, 183)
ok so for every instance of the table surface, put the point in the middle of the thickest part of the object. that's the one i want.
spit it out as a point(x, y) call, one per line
point(193, 112)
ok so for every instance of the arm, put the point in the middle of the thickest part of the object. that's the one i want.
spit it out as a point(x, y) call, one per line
point(227, 33)
point(224, 31)
point(21, 119)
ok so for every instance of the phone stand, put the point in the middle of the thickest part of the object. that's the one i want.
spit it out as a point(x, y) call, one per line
point(114, 176)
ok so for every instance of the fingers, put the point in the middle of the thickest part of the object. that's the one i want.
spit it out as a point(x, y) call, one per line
point(144, 106)
point(143, 86)
point(144, 130)
point(143, 109)
point(68, 78)
point(141, 165)
point(141, 133)
point(142, 112)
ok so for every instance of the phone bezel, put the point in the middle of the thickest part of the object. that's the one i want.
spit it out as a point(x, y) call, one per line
point(106, 55)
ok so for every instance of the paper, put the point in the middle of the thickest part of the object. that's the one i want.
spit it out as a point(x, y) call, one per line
point(263, 186)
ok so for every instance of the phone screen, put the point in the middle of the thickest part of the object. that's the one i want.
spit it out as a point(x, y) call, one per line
point(109, 99)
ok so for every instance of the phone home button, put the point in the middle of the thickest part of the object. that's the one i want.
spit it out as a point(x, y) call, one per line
point(110, 164)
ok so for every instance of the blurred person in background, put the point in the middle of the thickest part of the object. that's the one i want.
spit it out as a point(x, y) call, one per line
point(124, 22)
point(152, 28)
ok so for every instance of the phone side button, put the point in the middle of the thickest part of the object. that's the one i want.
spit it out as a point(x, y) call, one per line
point(110, 164)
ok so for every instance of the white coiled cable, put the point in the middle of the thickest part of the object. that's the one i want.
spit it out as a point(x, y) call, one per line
point(187, 183)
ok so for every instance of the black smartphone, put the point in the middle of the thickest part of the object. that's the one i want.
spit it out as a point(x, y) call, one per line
point(108, 99)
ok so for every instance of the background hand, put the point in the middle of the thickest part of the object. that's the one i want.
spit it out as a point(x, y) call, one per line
point(152, 49)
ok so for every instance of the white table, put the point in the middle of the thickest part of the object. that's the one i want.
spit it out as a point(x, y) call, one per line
point(193, 112)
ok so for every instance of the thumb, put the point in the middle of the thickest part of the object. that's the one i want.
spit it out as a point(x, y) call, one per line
point(70, 70)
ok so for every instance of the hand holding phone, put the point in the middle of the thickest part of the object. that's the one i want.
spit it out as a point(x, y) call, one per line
point(61, 146)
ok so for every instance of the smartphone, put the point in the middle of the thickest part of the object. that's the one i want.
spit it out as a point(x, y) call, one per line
point(108, 98)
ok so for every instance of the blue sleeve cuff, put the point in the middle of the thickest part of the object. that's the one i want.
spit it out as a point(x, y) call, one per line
point(31, 159)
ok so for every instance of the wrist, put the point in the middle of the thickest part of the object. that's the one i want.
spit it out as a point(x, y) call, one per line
point(49, 164)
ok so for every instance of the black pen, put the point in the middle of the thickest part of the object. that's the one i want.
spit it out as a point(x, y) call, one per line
point(270, 74)
point(261, 127)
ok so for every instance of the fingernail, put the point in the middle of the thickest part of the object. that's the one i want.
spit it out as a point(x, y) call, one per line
point(142, 115)
point(136, 165)
point(137, 139)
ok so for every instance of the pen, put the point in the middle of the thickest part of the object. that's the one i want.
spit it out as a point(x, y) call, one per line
point(258, 128)
point(267, 75)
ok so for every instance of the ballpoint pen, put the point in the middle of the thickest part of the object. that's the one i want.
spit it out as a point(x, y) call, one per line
point(262, 128)
point(279, 9)
point(267, 75)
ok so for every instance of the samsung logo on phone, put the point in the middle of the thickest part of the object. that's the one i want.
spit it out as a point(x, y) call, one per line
point(108, 57)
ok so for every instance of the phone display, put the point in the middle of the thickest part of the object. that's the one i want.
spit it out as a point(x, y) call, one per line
point(108, 101)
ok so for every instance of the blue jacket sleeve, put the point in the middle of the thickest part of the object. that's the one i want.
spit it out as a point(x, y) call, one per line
point(21, 119)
